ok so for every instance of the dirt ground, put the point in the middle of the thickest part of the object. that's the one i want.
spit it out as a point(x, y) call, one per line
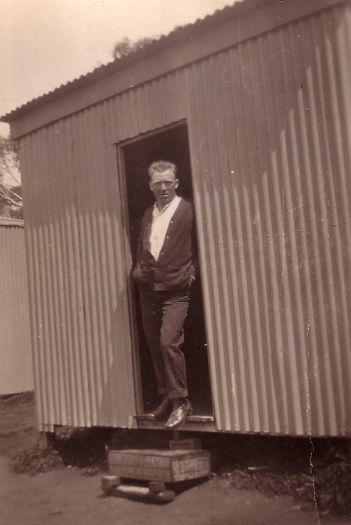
point(68, 494)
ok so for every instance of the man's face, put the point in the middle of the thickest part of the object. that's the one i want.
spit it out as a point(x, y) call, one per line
point(164, 185)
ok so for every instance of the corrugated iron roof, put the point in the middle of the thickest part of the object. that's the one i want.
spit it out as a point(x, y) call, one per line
point(175, 36)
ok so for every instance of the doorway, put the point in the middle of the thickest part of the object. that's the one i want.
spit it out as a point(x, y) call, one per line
point(170, 143)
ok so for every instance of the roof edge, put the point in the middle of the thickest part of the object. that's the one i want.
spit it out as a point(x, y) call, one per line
point(176, 35)
point(286, 11)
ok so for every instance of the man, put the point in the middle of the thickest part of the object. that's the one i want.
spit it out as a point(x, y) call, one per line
point(164, 272)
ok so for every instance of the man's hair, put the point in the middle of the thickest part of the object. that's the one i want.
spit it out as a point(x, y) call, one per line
point(162, 165)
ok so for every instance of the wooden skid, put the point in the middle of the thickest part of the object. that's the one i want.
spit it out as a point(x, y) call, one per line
point(144, 493)
point(156, 491)
point(159, 465)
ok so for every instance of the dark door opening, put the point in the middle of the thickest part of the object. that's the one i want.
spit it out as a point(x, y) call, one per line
point(169, 144)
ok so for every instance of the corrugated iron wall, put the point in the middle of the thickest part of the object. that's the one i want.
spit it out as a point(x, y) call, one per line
point(270, 148)
point(16, 371)
point(75, 244)
point(271, 156)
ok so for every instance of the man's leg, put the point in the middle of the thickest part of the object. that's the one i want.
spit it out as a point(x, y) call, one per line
point(174, 311)
point(151, 314)
point(163, 315)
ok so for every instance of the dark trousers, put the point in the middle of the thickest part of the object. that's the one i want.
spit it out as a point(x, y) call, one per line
point(163, 315)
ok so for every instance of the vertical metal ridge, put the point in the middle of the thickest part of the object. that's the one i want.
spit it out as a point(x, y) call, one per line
point(251, 234)
point(281, 313)
point(246, 285)
point(28, 160)
point(59, 292)
point(325, 263)
point(217, 253)
point(341, 49)
point(244, 62)
point(197, 135)
point(97, 268)
point(62, 166)
point(245, 174)
point(48, 360)
point(241, 179)
point(122, 397)
point(100, 289)
point(86, 246)
point(333, 252)
point(319, 195)
point(54, 257)
point(126, 352)
point(341, 212)
point(263, 217)
point(288, 250)
point(338, 66)
point(306, 223)
point(298, 233)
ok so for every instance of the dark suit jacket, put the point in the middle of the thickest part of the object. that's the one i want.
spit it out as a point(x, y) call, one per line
point(177, 259)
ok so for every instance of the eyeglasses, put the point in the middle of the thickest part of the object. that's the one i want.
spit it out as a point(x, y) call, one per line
point(165, 183)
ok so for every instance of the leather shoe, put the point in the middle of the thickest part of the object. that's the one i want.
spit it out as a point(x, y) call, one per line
point(163, 410)
point(181, 410)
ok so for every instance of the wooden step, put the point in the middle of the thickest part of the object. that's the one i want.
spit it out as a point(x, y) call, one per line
point(168, 466)
point(193, 423)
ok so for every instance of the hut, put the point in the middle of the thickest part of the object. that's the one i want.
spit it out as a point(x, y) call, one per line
point(252, 103)
point(16, 370)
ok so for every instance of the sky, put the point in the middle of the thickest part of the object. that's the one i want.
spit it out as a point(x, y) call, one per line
point(46, 43)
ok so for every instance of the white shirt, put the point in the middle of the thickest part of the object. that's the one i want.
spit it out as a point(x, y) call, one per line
point(159, 226)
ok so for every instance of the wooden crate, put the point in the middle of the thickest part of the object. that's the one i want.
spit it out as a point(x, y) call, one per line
point(159, 465)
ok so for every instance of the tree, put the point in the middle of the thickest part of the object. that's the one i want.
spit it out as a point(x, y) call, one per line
point(125, 46)
point(11, 202)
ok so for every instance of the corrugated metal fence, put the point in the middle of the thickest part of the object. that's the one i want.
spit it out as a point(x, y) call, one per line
point(16, 371)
